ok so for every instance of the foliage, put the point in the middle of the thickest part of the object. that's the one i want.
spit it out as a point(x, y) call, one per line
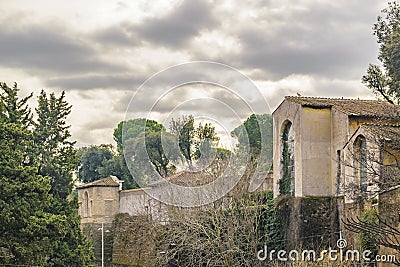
point(91, 160)
point(117, 166)
point(385, 82)
point(55, 154)
point(194, 143)
point(184, 129)
point(255, 145)
point(369, 240)
point(38, 225)
point(134, 240)
point(249, 133)
point(271, 226)
point(284, 182)
point(142, 144)
point(57, 159)
point(132, 129)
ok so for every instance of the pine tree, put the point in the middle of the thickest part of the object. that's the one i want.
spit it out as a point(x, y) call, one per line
point(27, 230)
point(57, 159)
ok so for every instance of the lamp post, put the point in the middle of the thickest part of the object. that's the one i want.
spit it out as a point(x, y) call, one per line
point(102, 243)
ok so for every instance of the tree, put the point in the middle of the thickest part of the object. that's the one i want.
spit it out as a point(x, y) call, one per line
point(249, 133)
point(255, 138)
point(385, 81)
point(133, 128)
point(142, 145)
point(56, 158)
point(28, 229)
point(117, 166)
point(194, 143)
point(38, 225)
point(55, 154)
point(91, 161)
point(184, 129)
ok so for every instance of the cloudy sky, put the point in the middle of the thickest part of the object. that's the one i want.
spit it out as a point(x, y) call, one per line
point(101, 52)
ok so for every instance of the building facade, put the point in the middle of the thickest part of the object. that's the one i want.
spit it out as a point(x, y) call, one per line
point(317, 139)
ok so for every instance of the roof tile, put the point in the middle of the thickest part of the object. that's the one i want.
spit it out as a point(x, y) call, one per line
point(352, 107)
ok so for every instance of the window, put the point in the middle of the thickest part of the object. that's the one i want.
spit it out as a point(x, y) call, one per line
point(287, 181)
point(360, 161)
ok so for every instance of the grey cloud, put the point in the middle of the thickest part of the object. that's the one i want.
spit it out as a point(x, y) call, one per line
point(88, 82)
point(323, 39)
point(165, 80)
point(179, 26)
point(42, 48)
point(117, 35)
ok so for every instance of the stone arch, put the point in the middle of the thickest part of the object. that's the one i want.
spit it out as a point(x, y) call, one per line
point(287, 181)
point(360, 161)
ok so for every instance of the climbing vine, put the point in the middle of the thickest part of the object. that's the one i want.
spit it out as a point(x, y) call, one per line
point(285, 181)
point(368, 239)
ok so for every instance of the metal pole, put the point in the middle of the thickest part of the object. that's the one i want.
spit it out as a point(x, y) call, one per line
point(102, 244)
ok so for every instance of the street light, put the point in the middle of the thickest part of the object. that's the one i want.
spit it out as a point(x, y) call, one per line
point(102, 243)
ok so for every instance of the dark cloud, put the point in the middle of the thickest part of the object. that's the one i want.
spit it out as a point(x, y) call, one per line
point(117, 35)
point(179, 26)
point(165, 79)
point(320, 39)
point(89, 82)
point(47, 48)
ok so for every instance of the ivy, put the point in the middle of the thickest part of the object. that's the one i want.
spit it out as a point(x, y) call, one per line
point(369, 240)
point(284, 182)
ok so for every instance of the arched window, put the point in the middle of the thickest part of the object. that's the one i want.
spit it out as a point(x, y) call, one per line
point(287, 181)
point(85, 205)
point(360, 161)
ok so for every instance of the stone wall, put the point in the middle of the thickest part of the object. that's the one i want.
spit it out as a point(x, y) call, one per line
point(389, 211)
point(134, 241)
point(311, 222)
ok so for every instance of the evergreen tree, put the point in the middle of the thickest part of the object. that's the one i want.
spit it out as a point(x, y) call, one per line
point(57, 159)
point(27, 229)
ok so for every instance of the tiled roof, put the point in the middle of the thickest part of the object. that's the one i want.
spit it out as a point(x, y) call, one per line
point(111, 181)
point(384, 132)
point(352, 107)
point(186, 178)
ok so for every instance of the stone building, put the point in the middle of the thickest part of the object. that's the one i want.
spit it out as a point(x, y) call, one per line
point(99, 200)
point(346, 151)
point(317, 139)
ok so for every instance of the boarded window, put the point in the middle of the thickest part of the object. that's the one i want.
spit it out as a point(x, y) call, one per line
point(108, 207)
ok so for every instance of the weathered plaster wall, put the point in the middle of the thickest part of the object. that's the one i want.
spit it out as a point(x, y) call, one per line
point(339, 137)
point(312, 148)
point(134, 202)
point(316, 152)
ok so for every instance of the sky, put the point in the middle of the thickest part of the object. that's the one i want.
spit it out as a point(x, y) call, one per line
point(121, 59)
